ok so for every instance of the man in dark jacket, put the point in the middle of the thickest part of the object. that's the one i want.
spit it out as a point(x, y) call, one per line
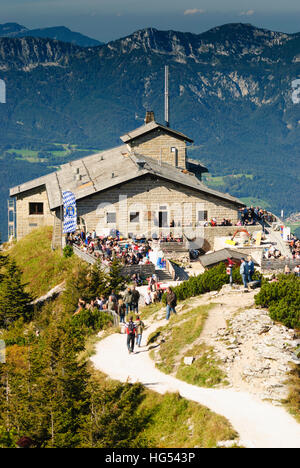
point(131, 334)
point(135, 296)
point(171, 302)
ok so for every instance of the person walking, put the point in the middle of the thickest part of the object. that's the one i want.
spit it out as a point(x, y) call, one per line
point(244, 273)
point(171, 302)
point(127, 300)
point(229, 270)
point(111, 305)
point(121, 310)
point(135, 297)
point(131, 334)
point(139, 330)
point(250, 269)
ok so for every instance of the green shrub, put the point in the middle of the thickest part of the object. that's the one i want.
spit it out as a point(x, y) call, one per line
point(211, 280)
point(92, 320)
point(282, 297)
point(68, 251)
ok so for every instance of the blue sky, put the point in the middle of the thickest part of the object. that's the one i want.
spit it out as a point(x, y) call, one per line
point(110, 19)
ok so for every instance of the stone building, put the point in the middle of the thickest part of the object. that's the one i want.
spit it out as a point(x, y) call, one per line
point(145, 187)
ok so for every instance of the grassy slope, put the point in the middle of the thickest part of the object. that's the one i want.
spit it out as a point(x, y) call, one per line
point(42, 268)
point(177, 422)
point(181, 332)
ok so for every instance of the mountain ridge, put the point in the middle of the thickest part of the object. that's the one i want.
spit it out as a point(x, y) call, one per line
point(230, 91)
point(61, 33)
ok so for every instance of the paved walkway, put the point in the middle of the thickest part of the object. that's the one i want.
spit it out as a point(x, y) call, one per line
point(259, 424)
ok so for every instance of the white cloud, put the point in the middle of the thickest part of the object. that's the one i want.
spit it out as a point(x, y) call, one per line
point(194, 11)
point(247, 13)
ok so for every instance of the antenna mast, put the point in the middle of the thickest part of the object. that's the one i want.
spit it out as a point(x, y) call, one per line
point(167, 96)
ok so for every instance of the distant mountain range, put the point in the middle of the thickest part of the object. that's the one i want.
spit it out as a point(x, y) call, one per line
point(233, 89)
point(60, 33)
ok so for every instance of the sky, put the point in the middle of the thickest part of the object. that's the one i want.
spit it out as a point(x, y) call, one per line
point(107, 20)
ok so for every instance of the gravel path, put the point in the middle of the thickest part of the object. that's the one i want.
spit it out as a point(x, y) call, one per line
point(259, 424)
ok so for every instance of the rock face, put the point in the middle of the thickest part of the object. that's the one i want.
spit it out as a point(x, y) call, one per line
point(29, 53)
point(256, 353)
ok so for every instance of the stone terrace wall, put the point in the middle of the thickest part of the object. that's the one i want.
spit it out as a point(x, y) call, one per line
point(210, 233)
point(275, 265)
point(144, 270)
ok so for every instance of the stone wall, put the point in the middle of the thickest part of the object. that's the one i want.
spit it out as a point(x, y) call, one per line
point(143, 270)
point(158, 144)
point(210, 233)
point(26, 222)
point(277, 265)
point(148, 195)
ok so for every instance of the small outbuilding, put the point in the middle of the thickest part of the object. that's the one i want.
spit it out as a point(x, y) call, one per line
point(214, 258)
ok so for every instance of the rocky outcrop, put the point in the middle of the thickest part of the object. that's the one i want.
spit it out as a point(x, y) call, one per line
point(256, 352)
point(28, 53)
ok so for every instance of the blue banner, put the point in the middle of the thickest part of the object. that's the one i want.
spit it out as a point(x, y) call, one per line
point(70, 212)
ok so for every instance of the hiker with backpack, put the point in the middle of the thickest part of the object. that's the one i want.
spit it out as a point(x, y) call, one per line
point(139, 330)
point(131, 334)
point(171, 302)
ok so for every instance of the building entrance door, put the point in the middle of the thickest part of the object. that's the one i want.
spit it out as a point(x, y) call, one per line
point(163, 219)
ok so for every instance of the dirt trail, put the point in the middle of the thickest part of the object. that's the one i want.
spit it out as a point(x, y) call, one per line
point(259, 424)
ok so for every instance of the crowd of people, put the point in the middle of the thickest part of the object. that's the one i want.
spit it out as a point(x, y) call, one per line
point(121, 305)
point(296, 270)
point(248, 216)
point(224, 222)
point(272, 252)
point(126, 305)
point(255, 215)
point(294, 244)
point(106, 249)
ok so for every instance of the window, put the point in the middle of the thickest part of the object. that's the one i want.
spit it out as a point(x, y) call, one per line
point(134, 217)
point(175, 152)
point(202, 216)
point(111, 218)
point(36, 208)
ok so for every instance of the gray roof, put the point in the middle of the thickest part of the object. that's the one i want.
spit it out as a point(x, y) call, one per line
point(195, 165)
point(220, 256)
point(149, 127)
point(107, 169)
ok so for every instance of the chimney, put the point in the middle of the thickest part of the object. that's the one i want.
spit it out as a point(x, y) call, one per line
point(149, 117)
point(140, 164)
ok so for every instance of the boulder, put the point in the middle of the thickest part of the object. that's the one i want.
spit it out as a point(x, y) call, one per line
point(188, 361)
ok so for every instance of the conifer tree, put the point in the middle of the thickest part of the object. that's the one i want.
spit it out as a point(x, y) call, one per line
point(117, 282)
point(61, 396)
point(14, 300)
point(114, 420)
point(3, 263)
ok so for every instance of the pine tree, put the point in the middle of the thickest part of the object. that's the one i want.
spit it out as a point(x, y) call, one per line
point(14, 300)
point(114, 420)
point(117, 282)
point(77, 287)
point(60, 397)
point(3, 263)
